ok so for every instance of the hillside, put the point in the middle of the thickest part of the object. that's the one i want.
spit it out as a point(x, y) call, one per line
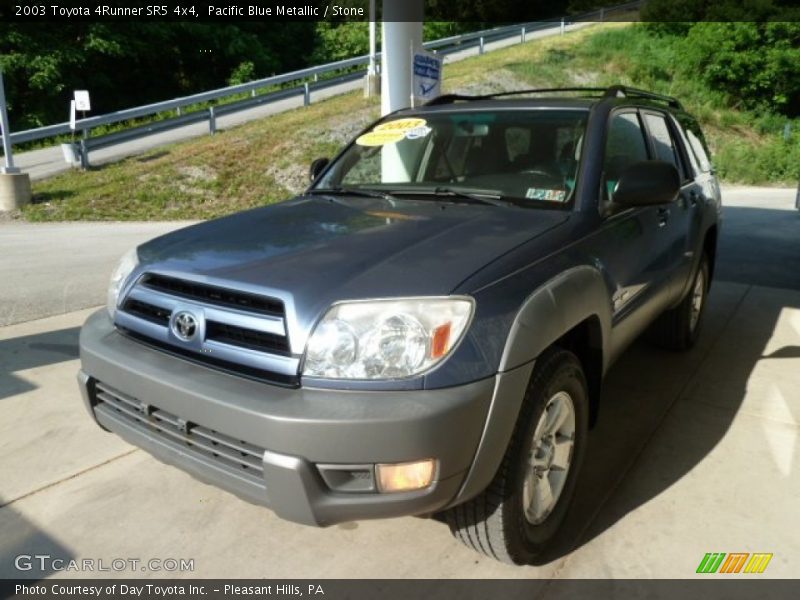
point(266, 161)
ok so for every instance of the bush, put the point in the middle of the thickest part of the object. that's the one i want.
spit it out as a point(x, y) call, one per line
point(773, 161)
point(756, 65)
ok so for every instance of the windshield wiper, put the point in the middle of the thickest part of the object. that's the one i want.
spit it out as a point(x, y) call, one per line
point(344, 191)
point(490, 197)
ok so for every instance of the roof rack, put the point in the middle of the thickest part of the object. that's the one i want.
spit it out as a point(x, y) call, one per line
point(449, 98)
point(614, 91)
point(622, 91)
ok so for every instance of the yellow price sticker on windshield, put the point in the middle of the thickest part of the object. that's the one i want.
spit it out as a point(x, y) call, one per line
point(380, 138)
point(400, 125)
point(392, 132)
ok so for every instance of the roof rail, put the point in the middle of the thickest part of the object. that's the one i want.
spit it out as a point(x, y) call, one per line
point(622, 91)
point(449, 98)
point(614, 91)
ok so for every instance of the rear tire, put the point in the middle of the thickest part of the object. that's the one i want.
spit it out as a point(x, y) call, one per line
point(678, 328)
point(515, 517)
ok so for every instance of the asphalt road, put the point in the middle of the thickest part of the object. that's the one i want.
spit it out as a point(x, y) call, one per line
point(47, 162)
point(50, 269)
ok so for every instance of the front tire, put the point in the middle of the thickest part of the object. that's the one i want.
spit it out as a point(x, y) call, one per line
point(519, 513)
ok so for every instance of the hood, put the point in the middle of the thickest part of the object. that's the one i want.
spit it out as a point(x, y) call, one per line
point(316, 250)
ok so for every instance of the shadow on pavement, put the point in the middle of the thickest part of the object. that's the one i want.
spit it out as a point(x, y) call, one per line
point(760, 246)
point(785, 352)
point(32, 351)
point(22, 543)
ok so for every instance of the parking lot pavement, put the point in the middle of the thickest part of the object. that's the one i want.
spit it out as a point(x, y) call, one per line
point(686, 447)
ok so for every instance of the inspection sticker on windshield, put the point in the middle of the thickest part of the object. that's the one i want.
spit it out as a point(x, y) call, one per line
point(392, 132)
point(418, 132)
point(546, 194)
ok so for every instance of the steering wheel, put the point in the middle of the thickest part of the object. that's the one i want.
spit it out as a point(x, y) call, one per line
point(548, 172)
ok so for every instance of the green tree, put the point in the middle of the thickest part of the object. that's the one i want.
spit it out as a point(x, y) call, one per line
point(129, 64)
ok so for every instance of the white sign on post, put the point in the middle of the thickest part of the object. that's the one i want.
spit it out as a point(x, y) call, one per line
point(82, 100)
point(427, 76)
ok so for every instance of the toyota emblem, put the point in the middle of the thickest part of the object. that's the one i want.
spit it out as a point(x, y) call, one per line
point(184, 326)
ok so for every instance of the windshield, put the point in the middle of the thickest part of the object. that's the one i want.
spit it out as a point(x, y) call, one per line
point(528, 157)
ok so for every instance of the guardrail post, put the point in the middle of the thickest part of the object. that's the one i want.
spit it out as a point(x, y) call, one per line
point(563, 26)
point(252, 93)
point(481, 49)
point(83, 154)
point(602, 13)
point(522, 36)
point(178, 111)
point(306, 94)
point(212, 121)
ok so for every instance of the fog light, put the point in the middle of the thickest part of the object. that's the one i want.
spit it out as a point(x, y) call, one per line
point(404, 477)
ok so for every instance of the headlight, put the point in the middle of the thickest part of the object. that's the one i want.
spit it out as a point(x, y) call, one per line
point(124, 267)
point(386, 339)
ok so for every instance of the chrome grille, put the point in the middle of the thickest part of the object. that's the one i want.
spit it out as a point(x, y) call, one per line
point(238, 331)
point(247, 338)
point(231, 454)
point(212, 294)
point(148, 311)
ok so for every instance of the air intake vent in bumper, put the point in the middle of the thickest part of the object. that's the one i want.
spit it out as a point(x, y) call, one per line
point(232, 455)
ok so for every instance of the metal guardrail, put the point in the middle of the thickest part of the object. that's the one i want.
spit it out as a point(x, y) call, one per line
point(308, 80)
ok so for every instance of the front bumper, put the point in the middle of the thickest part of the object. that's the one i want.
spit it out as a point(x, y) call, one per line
point(300, 435)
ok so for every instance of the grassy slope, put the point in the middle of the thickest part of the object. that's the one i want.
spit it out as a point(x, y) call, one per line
point(266, 161)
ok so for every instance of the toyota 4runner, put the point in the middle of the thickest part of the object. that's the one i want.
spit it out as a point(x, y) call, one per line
point(426, 329)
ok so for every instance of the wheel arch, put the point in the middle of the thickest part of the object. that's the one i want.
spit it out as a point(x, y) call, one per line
point(572, 310)
point(575, 303)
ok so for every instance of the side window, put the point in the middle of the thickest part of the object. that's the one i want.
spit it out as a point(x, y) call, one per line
point(625, 146)
point(662, 140)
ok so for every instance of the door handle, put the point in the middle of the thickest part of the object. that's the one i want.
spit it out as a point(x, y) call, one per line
point(688, 199)
point(663, 216)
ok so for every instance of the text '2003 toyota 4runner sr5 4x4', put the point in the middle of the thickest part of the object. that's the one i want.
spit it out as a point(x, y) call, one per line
point(426, 329)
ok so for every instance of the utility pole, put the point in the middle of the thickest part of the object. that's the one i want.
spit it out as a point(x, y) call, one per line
point(372, 81)
point(401, 35)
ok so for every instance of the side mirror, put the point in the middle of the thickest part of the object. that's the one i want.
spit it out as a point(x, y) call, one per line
point(317, 166)
point(646, 183)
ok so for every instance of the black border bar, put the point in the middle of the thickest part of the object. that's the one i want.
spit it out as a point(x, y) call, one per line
point(710, 587)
